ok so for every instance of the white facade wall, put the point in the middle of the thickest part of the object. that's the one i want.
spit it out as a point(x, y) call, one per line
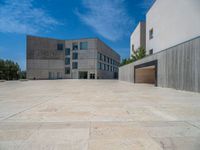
point(135, 38)
point(173, 22)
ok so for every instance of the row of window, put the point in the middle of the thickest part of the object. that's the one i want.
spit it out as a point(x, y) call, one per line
point(106, 67)
point(83, 46)
point(74, 66)
point(107, 59)
point(74, 57)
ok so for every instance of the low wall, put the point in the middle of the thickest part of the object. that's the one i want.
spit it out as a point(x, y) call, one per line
point(178, 67)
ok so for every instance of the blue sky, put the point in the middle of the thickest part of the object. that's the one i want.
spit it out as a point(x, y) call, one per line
point(110, 20)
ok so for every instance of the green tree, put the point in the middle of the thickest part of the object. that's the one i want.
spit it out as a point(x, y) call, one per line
point(9, 70)
point(138, 54)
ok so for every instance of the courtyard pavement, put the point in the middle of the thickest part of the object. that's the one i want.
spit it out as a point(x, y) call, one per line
point(97, 115)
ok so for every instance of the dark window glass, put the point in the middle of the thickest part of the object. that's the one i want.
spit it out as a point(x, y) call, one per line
point(104, 66)
point(83, 45)
point(67, 51)
point(108, 67)
point(151, 52)
point(75, 56)
point(104, 58)
point(67, 70)
point(151, 34)
point(133, 48)
point(75, 46)
point(100, 56)
point(75, 65)
point(60, 47)
point(99, 65)
point(67, 61)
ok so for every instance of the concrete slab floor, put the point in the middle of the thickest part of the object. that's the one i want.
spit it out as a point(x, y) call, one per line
point(97, 115)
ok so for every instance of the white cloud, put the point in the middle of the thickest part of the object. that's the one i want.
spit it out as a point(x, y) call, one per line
point(107, 17)
point(20, 16)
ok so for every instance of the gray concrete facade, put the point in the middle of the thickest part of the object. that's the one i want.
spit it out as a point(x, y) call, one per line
point(70, 59)
point(177, 67)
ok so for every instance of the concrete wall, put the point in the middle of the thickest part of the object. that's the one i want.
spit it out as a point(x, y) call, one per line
point(178, 67)
point(173, 22)
point(87, 59)
point(126, 73)
point(138, 37)
point(43, 57)
point(108, 52)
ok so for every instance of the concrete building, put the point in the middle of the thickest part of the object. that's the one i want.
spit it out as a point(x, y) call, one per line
point(70, 59)
point(138, 37)
point(172, 46)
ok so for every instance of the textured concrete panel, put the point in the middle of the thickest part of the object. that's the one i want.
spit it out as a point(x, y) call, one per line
point(178, 67)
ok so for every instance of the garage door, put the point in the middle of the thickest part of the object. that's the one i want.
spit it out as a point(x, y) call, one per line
point(146, 73)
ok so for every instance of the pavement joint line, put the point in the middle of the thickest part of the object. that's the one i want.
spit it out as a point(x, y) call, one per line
point(192, 125)
point(23, 110)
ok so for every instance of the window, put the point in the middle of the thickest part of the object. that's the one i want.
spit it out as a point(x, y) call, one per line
point(99, 66)
point(100, 56)
point(75, 46)
point(151, 34)
point(67, 61)
point(60, 47)
point(111, 68)
point(133, 48)
point(75, 65)
point(111, 61)
point(104, 58)
point(104, 67)
point(92, 76)
point(67, 51)
point(67, 70)
point(83, 45)
point(108, 59)
point(151, 52)
point(108, 67)
point(75, 56)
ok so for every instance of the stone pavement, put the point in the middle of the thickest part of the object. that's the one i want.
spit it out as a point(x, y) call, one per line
point(97, 115)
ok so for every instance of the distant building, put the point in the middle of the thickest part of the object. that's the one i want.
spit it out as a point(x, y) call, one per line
point(70, 59)
point(172, 45)
point(138, 37)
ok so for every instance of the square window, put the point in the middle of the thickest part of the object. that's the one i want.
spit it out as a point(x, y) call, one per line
point(67, 70)
point(67, 61)
point(67, 51)
point(151, 52)
point(75, 46)
point(75, 65)
point(60, 47)
point(83, 45)
point(151, 34)
point(75, 56)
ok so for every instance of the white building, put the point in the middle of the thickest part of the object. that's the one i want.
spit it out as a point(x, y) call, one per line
point(171, 22)
point(138, 37)
point(168, 23)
